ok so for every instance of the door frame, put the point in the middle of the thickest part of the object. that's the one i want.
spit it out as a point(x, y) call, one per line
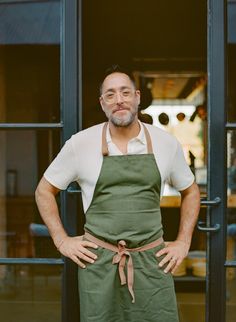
point(217, 163)
point(71, 111)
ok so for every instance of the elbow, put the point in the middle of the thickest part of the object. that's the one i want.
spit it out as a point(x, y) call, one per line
point(196, 191)
point(198, 195)
point(45, 190)
point(38, 193)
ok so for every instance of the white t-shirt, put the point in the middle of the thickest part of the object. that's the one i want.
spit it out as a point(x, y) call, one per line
point(81, 158)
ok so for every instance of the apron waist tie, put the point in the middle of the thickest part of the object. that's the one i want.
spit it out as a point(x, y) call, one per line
point(120, 257)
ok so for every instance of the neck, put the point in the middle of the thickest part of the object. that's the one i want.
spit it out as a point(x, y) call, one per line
point(126, 132)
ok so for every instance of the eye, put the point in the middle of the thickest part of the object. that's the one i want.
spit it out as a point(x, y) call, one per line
point(126, 92)
point(109, 95)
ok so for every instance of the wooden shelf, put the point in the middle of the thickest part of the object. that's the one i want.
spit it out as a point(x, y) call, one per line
point(174, 201)
point(189, 278)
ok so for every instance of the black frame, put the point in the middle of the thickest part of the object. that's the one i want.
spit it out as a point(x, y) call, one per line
point(217, 170)
point(71, 96)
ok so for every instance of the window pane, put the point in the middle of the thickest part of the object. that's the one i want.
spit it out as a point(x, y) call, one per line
point(30, 293)
point(191, 307)
point(24, 156)
point(231, 161)
point(190, 288)
point(231, 72)
point(231, 294)
point(30, 62)
point(231, 227)
point(231, 209)
point(190, 277)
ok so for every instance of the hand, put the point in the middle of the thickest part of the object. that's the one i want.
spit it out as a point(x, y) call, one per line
point(76, 249)
point(175, 252)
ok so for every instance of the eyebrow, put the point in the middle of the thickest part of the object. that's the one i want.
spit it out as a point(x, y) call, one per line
point(121, 88)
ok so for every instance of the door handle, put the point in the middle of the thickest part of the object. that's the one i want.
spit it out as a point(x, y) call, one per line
point(211, 203)
point(73, 190)
point(202, 227)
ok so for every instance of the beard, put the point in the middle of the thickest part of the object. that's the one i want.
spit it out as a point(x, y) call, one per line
point(122, 121)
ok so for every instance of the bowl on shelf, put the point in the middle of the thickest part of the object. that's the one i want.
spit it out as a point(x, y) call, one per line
point(199, 269)
point(194, 257)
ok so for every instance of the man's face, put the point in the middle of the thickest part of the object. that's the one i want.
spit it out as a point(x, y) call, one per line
point(119, 99)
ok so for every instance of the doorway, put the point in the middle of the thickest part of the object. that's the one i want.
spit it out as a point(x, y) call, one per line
point(161, 39)
point(63, 98)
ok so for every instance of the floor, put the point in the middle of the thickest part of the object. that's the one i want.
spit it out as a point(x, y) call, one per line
point(192, 305)
point(30, 296)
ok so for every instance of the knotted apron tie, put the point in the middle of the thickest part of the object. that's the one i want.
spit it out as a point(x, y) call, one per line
point(120, 257)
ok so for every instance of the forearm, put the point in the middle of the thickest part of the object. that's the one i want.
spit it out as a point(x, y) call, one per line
point(189, 211)
point(47, 205)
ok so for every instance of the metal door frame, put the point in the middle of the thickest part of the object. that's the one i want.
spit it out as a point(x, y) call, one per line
point(71, 107)
point(217, 163)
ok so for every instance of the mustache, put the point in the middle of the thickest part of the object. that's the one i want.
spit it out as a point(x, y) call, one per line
point(120, 108)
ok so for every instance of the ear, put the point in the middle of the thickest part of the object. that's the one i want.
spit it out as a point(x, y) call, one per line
point(101, 102)
point(138, 96)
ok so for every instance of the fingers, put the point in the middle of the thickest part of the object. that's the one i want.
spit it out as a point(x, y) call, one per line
point(173, 270)
point(86, 243)
point(82, 256)
point(172, 262)
point(174, 254)
point(163, 251)
point(77, 250)
point(88, 253)
point(169, 261)
point(77, 261)
point(85, 258)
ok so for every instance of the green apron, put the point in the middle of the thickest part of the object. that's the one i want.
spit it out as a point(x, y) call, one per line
point(126, 206)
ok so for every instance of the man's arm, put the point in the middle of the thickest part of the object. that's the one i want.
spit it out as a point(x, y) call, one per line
point(73, 247)
point(177, 250)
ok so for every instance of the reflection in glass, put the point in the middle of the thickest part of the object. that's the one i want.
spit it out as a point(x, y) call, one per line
point(191, 306)
point(231, 82)
point(188, 123)
point(190, 279)
point(30, 293)
point(231, 210)
point(231, 161)
point(30, 62)
point(231, 227)
point(230, 294)
point(24, 156)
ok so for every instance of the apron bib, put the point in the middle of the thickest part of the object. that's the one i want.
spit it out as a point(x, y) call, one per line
point(126, 206)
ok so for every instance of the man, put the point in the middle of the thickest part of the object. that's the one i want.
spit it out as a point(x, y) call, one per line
point(124, 266)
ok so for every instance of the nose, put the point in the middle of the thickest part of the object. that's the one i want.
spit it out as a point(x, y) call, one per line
point(119, 98)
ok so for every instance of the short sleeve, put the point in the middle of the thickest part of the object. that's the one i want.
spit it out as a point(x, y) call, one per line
point(181, 177)
point(62, 171)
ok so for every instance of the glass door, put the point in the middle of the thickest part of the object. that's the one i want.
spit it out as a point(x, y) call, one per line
point(38, 112)
point(230, 264)
point(220, 222)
